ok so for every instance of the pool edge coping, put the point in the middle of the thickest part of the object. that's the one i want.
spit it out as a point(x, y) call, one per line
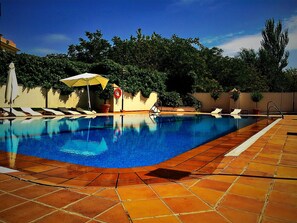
point(246, 144)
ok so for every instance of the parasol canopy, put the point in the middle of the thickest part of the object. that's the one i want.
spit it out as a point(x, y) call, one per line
point(86, 79)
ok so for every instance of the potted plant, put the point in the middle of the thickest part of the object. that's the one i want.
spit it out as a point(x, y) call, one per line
point(256, 97)
point(106, 95)
point(234, 94)
point(215, 94)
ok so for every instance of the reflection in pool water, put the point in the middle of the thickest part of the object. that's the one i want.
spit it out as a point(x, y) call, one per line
point(112, 141)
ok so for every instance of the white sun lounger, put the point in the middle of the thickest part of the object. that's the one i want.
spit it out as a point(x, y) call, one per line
point(216, 115)
point(236, 111)
point(52, 111)
point(67, 111)
point(87, 112)
point(30, 111)
point(236, 116)
point(216, 111)
point(14, 112)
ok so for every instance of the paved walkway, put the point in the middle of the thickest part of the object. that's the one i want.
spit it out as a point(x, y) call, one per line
point(199, 186)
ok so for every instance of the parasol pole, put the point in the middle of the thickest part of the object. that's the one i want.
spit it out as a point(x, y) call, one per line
point(11, 90)
point(11, 99)
point(88, 95)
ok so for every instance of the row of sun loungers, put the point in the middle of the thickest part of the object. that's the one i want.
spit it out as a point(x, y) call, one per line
point(235, 113)
point(26, 111)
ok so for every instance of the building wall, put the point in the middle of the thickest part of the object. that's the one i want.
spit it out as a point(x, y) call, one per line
point(136, 103)
point(77, 98)
point(208, 104)
point(286, 102)
point(34, 98)
point(41, 98)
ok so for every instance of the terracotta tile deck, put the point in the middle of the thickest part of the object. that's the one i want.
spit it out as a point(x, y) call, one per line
point(201, 185)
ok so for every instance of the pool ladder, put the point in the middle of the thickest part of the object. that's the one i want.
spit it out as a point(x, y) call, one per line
point(157, 107)
point(269, 106)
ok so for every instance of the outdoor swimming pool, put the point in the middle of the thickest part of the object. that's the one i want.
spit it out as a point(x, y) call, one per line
point(113, 141)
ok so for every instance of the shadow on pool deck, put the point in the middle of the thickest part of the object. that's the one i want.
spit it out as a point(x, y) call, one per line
point(169, 174)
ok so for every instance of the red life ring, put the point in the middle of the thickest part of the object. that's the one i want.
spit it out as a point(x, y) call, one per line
point(117, 93)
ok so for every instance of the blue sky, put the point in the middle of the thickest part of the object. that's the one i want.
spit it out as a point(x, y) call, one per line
point(41, 27)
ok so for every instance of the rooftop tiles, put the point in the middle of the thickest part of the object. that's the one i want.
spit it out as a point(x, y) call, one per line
point(198, 186)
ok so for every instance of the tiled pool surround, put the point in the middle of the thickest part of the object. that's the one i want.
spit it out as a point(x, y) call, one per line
point(259, 185)
point(206, 159)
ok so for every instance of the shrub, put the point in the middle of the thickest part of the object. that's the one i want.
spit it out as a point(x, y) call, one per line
point(256, 97)
point(189, 100)
point(235, 94)
point(215, 94)
point(107, 93)
point(171, 99)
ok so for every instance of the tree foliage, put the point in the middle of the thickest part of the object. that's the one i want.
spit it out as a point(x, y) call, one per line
point(131, 78)
point(290, 77)
point(33, 71)
point(177, 57)
point(272, 55)
point(94, 49)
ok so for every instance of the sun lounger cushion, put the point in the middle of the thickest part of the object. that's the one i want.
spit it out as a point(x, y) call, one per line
point(55, 112)
point(216, 111)
point(236, 116)
point(65, 110)
point(30, 111)
point(217, 115)
point(236, 111)
point(85, 111)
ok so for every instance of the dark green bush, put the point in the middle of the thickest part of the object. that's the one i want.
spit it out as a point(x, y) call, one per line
point(132, 79)
point(189, 100)
point(33, 71)
point(256, 97)
point(235, 94)
point(215, 94)
point(107, 93)
point(171, 99)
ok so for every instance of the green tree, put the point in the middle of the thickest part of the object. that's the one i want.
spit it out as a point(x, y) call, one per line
point(94, 49)
point(140, 50)
point(177, 57)
point(249, 56)
point(219, 69)
point(250, 78)
point(290, 83)
point(272, 55)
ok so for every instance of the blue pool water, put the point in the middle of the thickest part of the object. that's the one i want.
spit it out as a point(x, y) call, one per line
point(113, 141)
